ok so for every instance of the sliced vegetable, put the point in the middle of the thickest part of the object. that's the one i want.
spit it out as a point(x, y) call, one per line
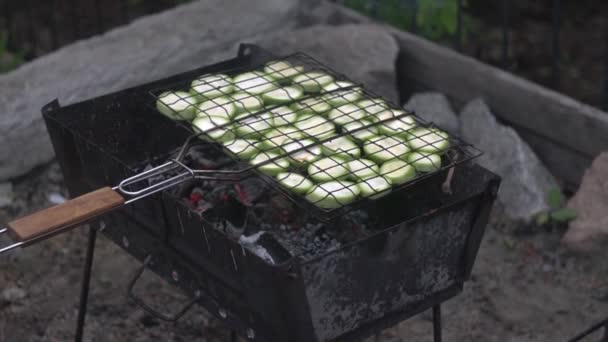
point(247, 103)
point(341, 146)
point(400, 127)
point(424, 161)
point(211, 86)
point(270, 168)
point(398, 171)
point(327, 169)
point(281, 70)
point(254, 127)
point(354, 130)
point(313, 81)
point(282, 116)
point(243, 148)
point(272, 140)
point(342, 97)
point(313, 105)
point(209, 125)
point(291, 132)
point(432, 140)
point(304, 157)
point(219, 106)
point(334, 194)
point(254, 82)
point(383, 148)
point(375, 187)
point(346, 114)
point(373, 106)
point(295, 182)
point(178, 105)
point(283, 95)
point(316, 126)
point(361, 169)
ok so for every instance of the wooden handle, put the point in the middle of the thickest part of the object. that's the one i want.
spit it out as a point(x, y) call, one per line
point(65, 215)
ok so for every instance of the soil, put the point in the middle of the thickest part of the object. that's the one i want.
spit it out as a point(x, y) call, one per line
point(525, 287)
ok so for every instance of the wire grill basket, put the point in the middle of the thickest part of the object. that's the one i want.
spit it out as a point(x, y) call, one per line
point(323, 140)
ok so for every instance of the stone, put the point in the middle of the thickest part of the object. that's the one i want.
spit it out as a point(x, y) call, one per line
point(6, 194)
point(156, 46)
point(434, 107)
point(525, 180)
point(588, 233)
point(366, 53)
point(13, 294)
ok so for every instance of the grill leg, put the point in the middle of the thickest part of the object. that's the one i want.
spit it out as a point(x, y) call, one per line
point(233, 336)
point(86, 280)
point(437, 323)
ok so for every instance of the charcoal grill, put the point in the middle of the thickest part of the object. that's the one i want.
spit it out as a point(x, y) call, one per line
point(365, 267)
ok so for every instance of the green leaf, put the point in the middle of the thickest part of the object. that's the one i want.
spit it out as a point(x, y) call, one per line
point(542, 219)
point(564, 215)
point(555, 199)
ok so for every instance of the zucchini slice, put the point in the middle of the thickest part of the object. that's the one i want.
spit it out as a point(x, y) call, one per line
point(209, 126)
point(313, 81)
point(361, 134)
point(283, 115)
point(254, 82)
point(254, 127)
point(375, 187)
point(373, 106)
point(315, 126)
point(313, 105)
point(243, 148)
point(271, 140)
point(328, 169)
point(246, 103)
point(270, 168)
point(383, 148)
point(295, 182)
point(424, 161)
point(342, 97)
point(399, 127)
point(303, 157)
point(397, 171)
point(346, 113)
point(210, 86)
point(361, 169)
point(283, 95)
point(431, 140)
point(334, 194)
point(342, 147)
point(219, 106)
point(282, 70)
point(178, 105)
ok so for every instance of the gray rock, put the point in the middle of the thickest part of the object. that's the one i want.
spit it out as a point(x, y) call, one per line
point(526, 181)
point(13, 294)
point(365, 53)
point(589, 231)
point(153, 47)
point(435, 107)
point(6, 194)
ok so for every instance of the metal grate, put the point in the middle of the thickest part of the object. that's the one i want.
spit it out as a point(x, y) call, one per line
point(318, 116)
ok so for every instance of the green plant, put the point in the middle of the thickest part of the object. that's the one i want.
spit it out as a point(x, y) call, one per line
point(558, 212)
point(435, 19)
point(8, 60)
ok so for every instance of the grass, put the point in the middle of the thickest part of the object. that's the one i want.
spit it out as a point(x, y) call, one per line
point(434, 19)
point(8, 60)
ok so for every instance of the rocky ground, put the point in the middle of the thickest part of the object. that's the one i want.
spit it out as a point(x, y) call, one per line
point(525, 287)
